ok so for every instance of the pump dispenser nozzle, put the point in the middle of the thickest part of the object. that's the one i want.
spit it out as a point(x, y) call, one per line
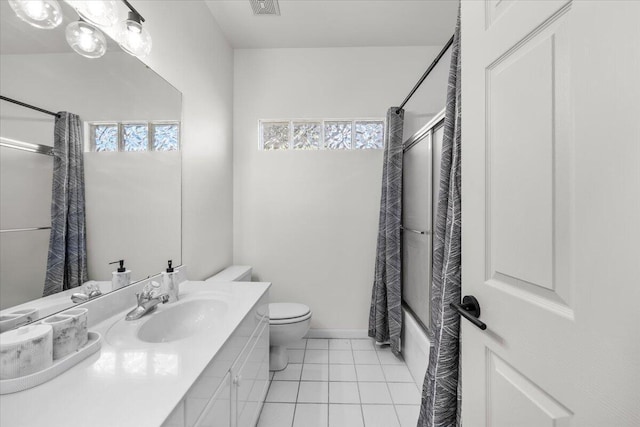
point(121, 269)
point(170, 269)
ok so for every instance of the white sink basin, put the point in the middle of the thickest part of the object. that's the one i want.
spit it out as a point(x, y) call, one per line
point(181, 320)
point(170, 322)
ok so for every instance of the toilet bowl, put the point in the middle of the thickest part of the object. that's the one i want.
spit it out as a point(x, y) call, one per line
point(288, 322)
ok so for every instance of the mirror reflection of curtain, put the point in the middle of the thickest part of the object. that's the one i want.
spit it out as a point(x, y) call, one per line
point(67, 258)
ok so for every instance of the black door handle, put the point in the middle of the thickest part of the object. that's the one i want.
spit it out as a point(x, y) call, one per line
point(470, 310)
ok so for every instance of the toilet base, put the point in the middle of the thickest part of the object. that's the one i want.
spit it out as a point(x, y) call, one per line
point(278, 357)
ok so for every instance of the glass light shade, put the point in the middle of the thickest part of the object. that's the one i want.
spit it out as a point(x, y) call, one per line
point(39, 13)
point(103, 13)
point(133, 38)
point(86, 39)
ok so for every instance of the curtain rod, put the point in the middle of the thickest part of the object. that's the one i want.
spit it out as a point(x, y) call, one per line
point(426, 73)
point(22, 104)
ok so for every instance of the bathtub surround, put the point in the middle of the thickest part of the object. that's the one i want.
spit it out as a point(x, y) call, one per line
point(385, 314)
point(415, 347)
point(67, 260)
point(440, 397)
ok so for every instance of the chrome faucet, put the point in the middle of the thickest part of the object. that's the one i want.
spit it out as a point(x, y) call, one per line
point(148, 299)
point(81, 297)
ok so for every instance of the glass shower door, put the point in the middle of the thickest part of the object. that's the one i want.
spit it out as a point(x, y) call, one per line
point(421, 172)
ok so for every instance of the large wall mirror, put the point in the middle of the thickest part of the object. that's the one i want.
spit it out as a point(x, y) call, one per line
point(130, 118)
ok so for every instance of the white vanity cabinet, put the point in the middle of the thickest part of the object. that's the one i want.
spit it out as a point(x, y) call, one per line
point(232, 388)
point(250, 375)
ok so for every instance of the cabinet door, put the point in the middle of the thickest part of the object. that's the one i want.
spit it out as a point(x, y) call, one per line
point(251, 379)
point(217, 413)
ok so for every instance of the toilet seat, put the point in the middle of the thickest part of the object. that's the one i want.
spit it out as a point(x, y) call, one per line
point(283, 313)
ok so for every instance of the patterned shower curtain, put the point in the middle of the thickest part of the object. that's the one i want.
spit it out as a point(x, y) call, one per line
point(440, 391)
point(67, 259)
point(385, 315)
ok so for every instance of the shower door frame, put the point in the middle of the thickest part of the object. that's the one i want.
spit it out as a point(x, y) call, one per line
point(426, 132)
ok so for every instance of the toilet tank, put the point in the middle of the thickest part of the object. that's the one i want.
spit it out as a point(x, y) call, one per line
point(234, 273)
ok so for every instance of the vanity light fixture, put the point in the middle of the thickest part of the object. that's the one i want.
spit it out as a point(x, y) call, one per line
point(38, 13)
point(132, 36)
point(84, 36)
point(86, 39)
point(103, 13)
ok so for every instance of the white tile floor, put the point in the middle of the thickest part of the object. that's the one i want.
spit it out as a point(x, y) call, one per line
point(341, 383)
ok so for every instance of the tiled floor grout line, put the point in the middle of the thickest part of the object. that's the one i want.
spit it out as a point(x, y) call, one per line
point(395, 411)
point(295, 404)
point(341, 348)
point(328, 382)
point(357, 384)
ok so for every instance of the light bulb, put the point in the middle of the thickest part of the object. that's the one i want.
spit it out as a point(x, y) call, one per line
point(39, 13)
point(133, 38)
point(86, 39)
point(103, 13)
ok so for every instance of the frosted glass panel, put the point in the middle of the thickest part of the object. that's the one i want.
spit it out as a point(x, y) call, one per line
point(275, 135)
point(105, 137)
point(337, 135)
point(165, 137)
point(369, 134)
point(307, 136)
point(136, 137)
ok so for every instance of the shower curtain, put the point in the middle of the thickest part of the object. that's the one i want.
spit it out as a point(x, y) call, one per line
point(440, 393)
point(67, 258)
point(385, 315)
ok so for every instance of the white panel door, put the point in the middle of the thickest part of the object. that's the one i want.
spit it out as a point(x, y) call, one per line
point(551, 212)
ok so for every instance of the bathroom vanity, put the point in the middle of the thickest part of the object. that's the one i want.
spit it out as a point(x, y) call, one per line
point(202, 361)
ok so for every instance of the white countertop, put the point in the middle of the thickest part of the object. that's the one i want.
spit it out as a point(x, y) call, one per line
point(133, 384)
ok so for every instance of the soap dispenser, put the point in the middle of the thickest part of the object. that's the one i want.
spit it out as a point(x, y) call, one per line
point(170, 283)
point(121, 277)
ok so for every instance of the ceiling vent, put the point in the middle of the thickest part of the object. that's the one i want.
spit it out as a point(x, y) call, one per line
point(265, 7)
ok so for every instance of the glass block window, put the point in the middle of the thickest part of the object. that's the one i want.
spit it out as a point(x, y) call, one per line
point(165, 137)
point(369, 134)
point(337, 135)
point(135, 137)
point(275, 135)
point(105, 137)
point(307, 135)
point(317, 134)
point(141, 136)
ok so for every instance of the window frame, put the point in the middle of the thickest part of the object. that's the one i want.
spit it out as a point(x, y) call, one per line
point(150, 125)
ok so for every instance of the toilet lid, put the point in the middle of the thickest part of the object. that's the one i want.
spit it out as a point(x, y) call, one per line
point(287, 310)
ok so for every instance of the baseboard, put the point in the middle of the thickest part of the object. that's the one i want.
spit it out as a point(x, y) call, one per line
point(337, 333)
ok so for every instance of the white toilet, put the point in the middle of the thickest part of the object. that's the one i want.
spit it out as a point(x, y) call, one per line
point(288, 322)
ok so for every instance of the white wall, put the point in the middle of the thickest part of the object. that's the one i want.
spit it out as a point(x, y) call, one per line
point(147, 186)
point(190, 51)
point(307, 221)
